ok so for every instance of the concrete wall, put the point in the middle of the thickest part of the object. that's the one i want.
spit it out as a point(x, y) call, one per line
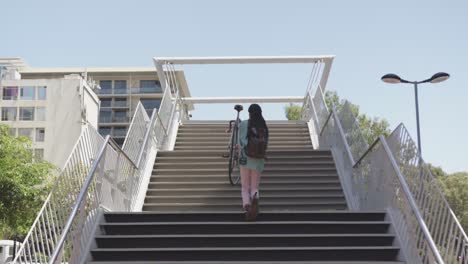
point(66, 100)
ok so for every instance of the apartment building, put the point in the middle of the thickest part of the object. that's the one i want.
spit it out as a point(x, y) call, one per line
point(50, 112)
point(121, 88)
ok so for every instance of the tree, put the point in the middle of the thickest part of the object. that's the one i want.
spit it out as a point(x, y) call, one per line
point(371, 128)
point(437, 172)
point(24, 183)
point(293, 111)
point(455, 189)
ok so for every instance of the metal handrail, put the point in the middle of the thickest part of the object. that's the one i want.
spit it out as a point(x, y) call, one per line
point(343, 137)
point(44, 205)
point(80, 198)
point(162, 125)
point(423, 164)
point(326, 122)
point(407, 192)
point(358, 162)
point(147, 133)
point(409, 196)
point(119, 149)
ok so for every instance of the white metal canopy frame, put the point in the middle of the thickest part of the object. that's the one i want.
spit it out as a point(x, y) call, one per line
point(319, 74)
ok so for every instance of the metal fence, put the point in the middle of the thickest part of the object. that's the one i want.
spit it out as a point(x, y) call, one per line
point(382, 178)
point(444, 226)
point(98, 175)
point(136, 133)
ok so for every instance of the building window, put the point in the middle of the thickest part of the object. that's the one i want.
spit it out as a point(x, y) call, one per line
point(106, 102)
point(120, 116)
point(39, 153)
point(10, 93)
point(106, 87)
point(40, 134)
point(40, 114)
point(28, 93)
point(104, 131)
point(120, 131)
point(120, 102)
point(12, 131)
point(105, 116)
point(42, 92)
point(26, 132)
point(150, 104)
point(9, 114)
point(26, 113)
point(150, 86)
point(120, 87)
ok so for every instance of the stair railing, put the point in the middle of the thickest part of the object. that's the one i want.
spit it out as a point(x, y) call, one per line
point(97, 175)
point(377, 181)
point(448, 234)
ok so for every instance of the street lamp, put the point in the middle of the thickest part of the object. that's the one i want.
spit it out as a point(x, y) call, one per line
point(436, 78)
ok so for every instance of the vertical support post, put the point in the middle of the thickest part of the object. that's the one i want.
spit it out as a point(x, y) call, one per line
point(161, 75)
point(417, 117)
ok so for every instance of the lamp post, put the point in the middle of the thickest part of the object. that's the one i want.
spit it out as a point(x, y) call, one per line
point(436, 78)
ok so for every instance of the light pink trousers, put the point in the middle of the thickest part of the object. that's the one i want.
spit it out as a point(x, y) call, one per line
point(250, 180)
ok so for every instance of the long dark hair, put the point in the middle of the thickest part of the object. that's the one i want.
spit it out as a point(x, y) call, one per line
point(255, 117)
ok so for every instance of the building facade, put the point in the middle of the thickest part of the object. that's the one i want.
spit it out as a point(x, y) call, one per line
point(121, 88)
point(50, 112)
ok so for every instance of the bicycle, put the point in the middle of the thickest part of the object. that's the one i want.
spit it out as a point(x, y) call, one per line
point(233, 154)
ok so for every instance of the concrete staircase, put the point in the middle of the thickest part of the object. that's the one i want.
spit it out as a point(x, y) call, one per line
point(193, 215)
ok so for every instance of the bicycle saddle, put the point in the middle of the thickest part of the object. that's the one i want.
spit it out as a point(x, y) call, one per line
point(238, 108)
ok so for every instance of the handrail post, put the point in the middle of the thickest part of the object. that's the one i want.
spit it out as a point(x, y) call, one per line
point(145, 140)
point(412, 202)
point(81, 195)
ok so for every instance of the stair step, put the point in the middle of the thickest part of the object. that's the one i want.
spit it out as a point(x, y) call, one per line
point(271, 143)
point(223, 177)
point(223, 133)
point(268, 170)
point(224, 138)
point(223, 147)
point(272, 159)
point(240, 240)
point(264, 190)
point(250, 253)
point(226, 184)
point(224, 162)
point(246, 262)
point(265, 205)
point(236, 198)
point(239, 227)
point(223, 129)
point(270, 152)
point(321, 216)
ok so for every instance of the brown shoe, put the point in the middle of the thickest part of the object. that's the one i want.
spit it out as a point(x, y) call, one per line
point(248, 212)
point(254, 207)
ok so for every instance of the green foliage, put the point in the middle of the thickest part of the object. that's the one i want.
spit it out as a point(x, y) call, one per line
point(24, 184)
point(455, 188)
point(293, 111)
point(370, 127)
point(437, 172)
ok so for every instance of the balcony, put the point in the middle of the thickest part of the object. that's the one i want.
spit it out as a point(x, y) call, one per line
point(120, 104)
point(105, 119)
point(119, 133)
point(147, 90)
point(120, 119)
point(115, 119)
point(119, 91)
point(104, 91)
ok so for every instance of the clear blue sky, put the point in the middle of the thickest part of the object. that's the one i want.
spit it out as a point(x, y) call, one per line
point(369, 38)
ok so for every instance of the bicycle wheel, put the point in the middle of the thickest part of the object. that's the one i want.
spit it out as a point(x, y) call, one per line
point(234, 171)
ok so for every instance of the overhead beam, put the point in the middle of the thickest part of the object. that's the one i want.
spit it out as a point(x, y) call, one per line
point(244, 59)
point(223, 100)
